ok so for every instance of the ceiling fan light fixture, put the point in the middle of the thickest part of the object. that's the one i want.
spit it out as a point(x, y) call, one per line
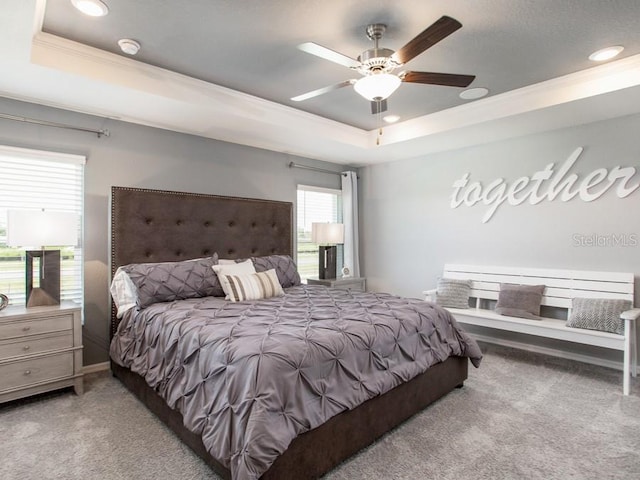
point(93, 8)
point(606, 53)
point(378, 86)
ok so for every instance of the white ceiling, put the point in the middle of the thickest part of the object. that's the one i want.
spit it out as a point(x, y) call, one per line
point(226, 69)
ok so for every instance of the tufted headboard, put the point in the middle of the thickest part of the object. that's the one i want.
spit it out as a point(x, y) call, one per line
point(164, 226)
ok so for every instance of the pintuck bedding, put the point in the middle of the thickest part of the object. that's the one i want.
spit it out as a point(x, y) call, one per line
point(248, 377)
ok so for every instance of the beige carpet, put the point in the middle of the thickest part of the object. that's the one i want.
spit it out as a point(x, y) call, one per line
point(520, 416)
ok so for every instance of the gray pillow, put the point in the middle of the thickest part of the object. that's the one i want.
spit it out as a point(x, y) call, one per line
point(520, 300)
point(453, 293)
point(598, 314)
point(169, 281)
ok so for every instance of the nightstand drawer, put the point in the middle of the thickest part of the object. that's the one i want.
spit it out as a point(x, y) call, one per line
point(31, 345)
point(26, 372)
point(36, 326)
point(356, 286)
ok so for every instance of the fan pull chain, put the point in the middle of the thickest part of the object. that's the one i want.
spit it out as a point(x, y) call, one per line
point(379, 127)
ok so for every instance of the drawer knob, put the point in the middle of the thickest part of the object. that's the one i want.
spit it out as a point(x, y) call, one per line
point(26, 329)
point(26, 347)
point(27, 372)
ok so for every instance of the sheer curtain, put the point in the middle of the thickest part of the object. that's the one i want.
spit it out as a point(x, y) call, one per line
point(350, 220)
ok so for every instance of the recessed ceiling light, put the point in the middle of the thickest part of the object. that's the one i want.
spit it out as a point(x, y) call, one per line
point(93, 8)
point(391, 118)
point(473, 93)
point(606, 53)
point(128, 46)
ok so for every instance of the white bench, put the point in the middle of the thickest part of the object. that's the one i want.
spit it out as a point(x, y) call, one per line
point(561, 287)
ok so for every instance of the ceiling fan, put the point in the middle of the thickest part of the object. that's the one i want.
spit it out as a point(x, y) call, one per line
point(377, 65)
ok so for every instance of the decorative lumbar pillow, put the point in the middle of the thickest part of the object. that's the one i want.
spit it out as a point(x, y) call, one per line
point(242, 267)
point(520, 300)
point(284, 266)
point(169, 281)
point(453, 293)
point(252, 286)
point(598, 314)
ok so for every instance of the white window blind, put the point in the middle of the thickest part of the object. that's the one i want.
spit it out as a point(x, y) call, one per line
point(315, 204)
point(35, 180)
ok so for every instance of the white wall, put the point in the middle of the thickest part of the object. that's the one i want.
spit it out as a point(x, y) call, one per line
point(409, 230)
point(149, 158)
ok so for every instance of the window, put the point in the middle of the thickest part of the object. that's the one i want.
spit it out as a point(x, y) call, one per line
point(33, 179)
point(315, 204)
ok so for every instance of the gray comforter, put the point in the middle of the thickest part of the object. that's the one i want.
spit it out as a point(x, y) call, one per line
point(251, 376)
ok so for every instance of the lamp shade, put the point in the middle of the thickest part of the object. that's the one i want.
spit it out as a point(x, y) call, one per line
point(327, 233)
point(40, 228)
point(377, 86)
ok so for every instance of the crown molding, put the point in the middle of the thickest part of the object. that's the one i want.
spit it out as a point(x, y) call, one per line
point(65, 74)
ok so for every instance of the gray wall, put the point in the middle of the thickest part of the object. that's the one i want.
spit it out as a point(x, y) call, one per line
point(149, 158)
point(409, 231)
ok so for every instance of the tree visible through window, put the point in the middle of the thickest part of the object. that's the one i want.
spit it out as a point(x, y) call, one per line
point(34, 180)
point(315, 204)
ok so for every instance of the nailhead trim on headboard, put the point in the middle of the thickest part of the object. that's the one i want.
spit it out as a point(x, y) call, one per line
point(165, 226)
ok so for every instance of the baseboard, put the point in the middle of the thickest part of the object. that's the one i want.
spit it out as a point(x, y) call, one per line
point(549, 351)
point(96, 367)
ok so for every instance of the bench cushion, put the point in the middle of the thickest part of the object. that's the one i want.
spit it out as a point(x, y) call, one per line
point(598, 314)
point(519, 300)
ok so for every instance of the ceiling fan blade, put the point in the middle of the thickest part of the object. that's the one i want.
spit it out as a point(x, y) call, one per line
point(446, 79)
point(328, 54)
point(378, 106)
point(322, 91)
point(442, 28)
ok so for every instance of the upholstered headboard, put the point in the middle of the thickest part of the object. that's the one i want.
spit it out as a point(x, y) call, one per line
point(164, 226)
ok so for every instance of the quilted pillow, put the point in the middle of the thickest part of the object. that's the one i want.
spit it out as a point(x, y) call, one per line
point(169, 281)
point(285, 268)
point(520, 300)
point(252, 286)
point(598, 314)
point(453, 293)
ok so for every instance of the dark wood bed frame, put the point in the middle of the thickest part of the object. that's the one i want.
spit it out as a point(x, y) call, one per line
point(160, 226)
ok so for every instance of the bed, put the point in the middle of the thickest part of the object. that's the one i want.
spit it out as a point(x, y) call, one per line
point(160, 226)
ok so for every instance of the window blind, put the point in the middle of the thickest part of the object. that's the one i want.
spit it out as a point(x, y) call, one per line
point(35, 180)
point(315, 204)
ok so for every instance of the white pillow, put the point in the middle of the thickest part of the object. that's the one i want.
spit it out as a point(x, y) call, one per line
point(225, 261)
point(232, 268)
point(123, 291)
point(251, 286)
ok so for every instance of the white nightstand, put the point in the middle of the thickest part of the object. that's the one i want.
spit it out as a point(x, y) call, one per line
point(355, 284)
point(40, 350)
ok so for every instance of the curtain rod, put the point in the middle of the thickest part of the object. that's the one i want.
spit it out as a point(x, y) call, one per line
point(315, 169)
point(54, 124)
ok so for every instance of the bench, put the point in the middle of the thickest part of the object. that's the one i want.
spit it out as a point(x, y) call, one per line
point(561, 287)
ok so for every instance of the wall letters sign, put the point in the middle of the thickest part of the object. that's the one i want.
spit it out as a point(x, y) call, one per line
point(545, 184)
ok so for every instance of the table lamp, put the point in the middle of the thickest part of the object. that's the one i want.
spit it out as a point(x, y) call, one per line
point(40, 228)
point(327, 235)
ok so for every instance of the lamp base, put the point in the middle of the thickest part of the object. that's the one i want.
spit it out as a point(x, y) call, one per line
point(327, 261)
point(47, 291)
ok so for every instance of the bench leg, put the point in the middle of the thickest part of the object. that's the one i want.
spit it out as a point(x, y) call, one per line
point(628, 331)
point(634, 349)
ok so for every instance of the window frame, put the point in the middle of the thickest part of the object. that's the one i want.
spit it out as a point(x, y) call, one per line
point(303, 267)
point(75, 203)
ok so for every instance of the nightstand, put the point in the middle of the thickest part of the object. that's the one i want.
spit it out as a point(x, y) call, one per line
point(355, 284)
point(40, 350)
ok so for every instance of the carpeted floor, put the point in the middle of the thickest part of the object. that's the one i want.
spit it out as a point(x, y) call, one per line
point(520, 416)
